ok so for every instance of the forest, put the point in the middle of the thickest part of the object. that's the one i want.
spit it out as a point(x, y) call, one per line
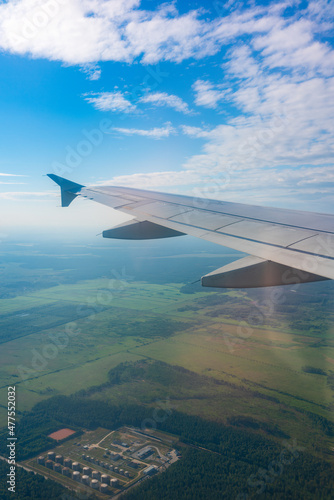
point(218, 461)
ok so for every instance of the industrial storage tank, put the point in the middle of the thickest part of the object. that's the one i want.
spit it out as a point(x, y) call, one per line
point(94, 484)
point(86, 471)
point(57, 467)
point(41, 460)
point(95, 474)
point(105, 479)
point(114, 482)
point(67, 462)
point(59, 459)
point(66, 471)
point(85, 479)
point(51, 455)
point(49, 464)
point(76, 475)
point(126, 473)
point(76, 466)
point(104, 488)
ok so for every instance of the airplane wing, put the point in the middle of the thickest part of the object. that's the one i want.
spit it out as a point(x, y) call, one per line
point(284, 246)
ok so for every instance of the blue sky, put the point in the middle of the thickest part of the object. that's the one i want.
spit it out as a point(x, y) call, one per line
point(227, 100)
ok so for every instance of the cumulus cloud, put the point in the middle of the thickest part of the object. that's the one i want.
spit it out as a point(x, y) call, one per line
point(110, 101)
point(167, 100)
point(155, 179)
point(276, 92)
point(195, 132)
point(154, 133)
point(86, 31)
point(274, 81)
point(79, 32)
point(206, 95)
point(92, 70)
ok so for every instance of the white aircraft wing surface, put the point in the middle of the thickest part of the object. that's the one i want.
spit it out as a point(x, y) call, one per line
point(284, 246)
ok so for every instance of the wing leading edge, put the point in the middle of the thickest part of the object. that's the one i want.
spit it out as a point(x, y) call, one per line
point(285, 246)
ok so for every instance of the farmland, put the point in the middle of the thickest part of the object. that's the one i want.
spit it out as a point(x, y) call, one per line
point(251, 350)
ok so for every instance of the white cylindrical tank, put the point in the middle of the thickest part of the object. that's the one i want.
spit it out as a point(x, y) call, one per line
point(86, 471)
point(114, 482)
point(41, 460)
point(67, 462)
point(76, 475)
point(57, 467)
point(59, 459)
point(94, 484)
point(85, 479)
point(66, 471)
point(105, 479)
point(95, 474)
point(104, 488)
point(51, 455)
point(76, 466)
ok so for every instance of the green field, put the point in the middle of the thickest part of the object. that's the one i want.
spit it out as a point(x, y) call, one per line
point(66, 338)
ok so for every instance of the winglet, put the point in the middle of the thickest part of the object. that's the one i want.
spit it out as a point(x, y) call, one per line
point(68, 189)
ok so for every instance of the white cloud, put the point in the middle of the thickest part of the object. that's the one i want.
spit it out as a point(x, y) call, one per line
point(168, 100)
point(275, 82)
point(86, 31)
point(276, 89)
point(206, 95)
point(154, 133)
point(11, 175)
point(155, 179)
point(294, 47)
point(92, 70)
point(195, 132)
point(110, 101)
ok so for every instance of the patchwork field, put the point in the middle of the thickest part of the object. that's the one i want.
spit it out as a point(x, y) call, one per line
point(66, 338)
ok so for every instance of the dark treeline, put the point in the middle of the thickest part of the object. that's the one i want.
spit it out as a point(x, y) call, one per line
point(313, 369)
point(201, 475)
point(242, 461)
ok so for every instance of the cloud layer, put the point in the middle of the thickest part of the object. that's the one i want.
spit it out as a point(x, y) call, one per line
point(264, 108)
point(86, 31)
